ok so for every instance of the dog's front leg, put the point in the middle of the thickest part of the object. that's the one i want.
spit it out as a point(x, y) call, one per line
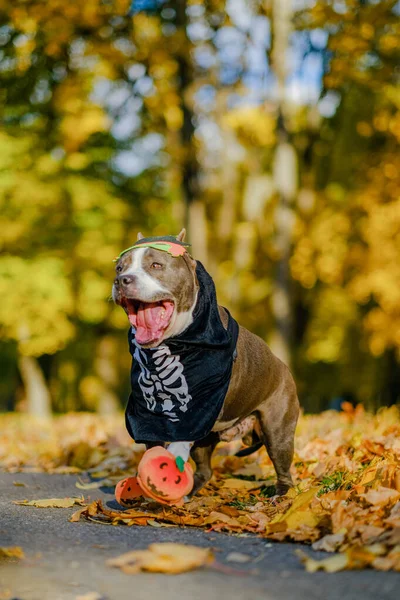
point(181, 449)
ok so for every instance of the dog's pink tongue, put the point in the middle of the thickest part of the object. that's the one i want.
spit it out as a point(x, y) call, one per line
point(152, 319)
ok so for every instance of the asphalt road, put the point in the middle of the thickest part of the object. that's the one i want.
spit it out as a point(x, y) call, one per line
point(65, 560)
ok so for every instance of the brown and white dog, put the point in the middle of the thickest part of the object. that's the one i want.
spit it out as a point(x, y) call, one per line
point(159, 293)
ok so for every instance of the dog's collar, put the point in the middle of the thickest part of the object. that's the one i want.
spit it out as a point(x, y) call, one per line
point(166, 243)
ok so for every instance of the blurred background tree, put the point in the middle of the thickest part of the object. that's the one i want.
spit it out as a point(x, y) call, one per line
point(269, 127)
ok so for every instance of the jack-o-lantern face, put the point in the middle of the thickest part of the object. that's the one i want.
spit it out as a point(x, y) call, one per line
point(127, 491)
point(160, 477)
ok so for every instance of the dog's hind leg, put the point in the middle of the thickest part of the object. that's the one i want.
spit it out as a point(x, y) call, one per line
point(201, 454)
point(278, 423)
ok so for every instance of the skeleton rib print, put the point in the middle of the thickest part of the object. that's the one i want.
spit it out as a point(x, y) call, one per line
point(164, 386)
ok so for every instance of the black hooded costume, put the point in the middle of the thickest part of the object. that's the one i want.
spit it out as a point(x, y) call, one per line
point(179, 387)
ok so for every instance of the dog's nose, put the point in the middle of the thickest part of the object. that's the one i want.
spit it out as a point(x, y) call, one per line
point(125, 280)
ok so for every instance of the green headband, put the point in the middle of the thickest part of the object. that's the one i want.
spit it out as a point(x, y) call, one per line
point(166, 244)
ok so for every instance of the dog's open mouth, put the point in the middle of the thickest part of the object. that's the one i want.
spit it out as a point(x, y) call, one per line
point(150, 319)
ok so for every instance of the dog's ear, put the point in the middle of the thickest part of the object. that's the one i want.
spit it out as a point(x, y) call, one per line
point(140, 236)
point(181, 235)
point(190, 263)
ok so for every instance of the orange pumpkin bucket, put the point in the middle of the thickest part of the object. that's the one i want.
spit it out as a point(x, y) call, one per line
point(161, 476)
point(127, 490)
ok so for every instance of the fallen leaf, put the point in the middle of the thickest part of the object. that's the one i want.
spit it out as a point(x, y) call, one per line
point(11, 552)
point(94, 485)
point(218, 517)
point(278, 527)
point(163, 558)
point(299, 514)
point(330, 542)
point(231, 511)
point(335, 563)
point(243, 484)
point(253, 469)
point(52, 502)
point(319, 469)
point(238, 557)
point(369, 533)
point(96, 509)
point(261, 519)
point(391, 561)
point(301, 502)
point(19, 483)
point(381, 496)
point(65, 470)
point(354, 470)
point(90, 596)
point(157, 524)
point(394, 517)
point(75, 517)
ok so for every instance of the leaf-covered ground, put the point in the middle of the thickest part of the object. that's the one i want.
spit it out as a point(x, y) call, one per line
point(346, 472)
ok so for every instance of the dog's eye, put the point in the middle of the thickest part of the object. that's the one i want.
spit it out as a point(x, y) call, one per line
point(119, 269)
point(156, 265)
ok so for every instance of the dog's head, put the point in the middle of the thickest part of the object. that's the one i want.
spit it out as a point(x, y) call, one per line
point(157, 289)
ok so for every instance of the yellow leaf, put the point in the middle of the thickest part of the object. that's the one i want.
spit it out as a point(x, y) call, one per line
point(157, 524)
point(90, 596)
point(279, 527)
point(305, 520)
point(243, 484)
point(299, 513)
point(52, 502)
point(219, 517)
point(163, 558)
point(12, 552)
point(75, 517)
point(335, 563)
point(253, 469)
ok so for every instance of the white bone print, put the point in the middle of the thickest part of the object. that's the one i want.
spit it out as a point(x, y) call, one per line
point(166, 388)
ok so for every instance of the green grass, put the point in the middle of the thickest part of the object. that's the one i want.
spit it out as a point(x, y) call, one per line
point(267, 491)
point(242, 505)
point(333, 482)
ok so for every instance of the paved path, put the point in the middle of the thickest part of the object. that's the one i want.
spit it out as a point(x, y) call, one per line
point(65, 560)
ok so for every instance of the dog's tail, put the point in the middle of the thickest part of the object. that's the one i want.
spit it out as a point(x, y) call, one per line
point(250, 450)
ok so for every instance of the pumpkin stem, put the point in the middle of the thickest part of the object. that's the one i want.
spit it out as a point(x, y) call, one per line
point(180, 463)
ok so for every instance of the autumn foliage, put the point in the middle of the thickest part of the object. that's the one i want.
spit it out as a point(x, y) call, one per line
point(346, 497)
point(111, 124)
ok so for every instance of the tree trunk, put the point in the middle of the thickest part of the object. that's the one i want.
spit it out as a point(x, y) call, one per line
point(106, 372)
point(285, 179)
point(36, 390)
point(194, 210)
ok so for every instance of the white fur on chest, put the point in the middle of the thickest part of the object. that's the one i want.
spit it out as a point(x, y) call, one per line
point(180, 321)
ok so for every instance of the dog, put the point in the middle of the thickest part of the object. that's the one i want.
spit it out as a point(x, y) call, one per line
point(197, 376)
